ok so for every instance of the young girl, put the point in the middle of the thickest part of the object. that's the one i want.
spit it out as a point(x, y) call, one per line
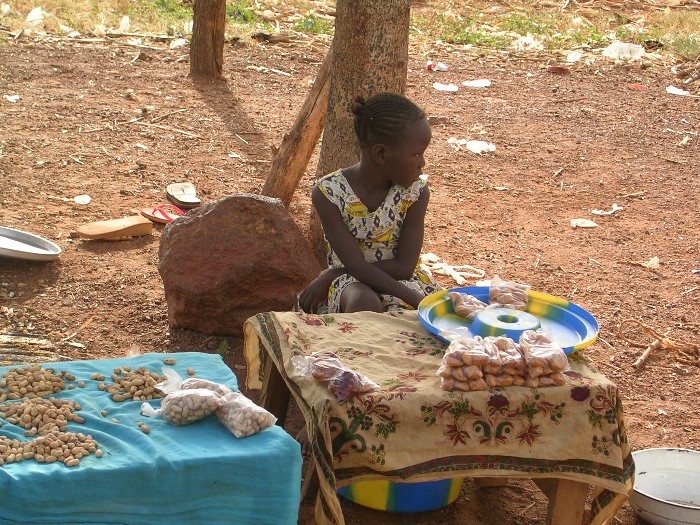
point(373, 214)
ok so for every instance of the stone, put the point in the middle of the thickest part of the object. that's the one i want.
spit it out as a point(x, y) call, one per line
point(228, 260)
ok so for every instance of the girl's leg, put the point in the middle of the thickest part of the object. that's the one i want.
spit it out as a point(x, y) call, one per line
point(358, 297)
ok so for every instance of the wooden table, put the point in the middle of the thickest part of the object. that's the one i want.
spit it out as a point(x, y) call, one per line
point(397, 342)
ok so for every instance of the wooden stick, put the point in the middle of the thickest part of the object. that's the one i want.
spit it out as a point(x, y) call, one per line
point(645, 355)
point(158, 119)
point(167, 128)
point(292, 158)
point(86, 323)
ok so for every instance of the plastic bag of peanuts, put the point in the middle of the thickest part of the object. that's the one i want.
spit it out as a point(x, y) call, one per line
point(183, 407)
point(507, 294)
point(466, 305)
point(236, 412)
point(462, 366)
point(242, 417)
point(546, 361)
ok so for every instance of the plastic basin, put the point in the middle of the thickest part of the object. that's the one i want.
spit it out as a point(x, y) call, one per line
point(403, 497)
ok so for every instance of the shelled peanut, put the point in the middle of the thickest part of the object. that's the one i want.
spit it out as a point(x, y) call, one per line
point(31, 381)
point(40, 416)
point(138, 385)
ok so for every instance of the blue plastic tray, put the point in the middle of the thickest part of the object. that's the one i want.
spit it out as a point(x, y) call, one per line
point(571, 327)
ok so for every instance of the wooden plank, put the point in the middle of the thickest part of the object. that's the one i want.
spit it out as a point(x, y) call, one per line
point(491, 482)
point(567, 503)
point(275, 393)
point(23, 349)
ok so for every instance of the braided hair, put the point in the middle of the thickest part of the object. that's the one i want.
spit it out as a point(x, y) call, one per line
point(382, 118)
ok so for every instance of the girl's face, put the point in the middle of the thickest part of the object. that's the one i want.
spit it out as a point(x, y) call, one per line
point(404, 161)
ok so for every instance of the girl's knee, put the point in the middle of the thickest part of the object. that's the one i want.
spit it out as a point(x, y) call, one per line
point(359, 297)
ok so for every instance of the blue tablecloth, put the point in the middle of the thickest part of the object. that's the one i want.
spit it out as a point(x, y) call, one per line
point(195, 474)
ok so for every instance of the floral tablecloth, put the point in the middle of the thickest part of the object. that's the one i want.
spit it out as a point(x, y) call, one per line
point(411, 429)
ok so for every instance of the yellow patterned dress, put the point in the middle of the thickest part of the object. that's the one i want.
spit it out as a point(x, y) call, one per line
point(377, 234)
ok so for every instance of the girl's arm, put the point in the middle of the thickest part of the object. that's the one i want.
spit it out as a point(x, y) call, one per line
point(411, 241)
point(345, 246)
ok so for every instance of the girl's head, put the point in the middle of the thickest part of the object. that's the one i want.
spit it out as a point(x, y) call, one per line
point(383, 118)
point(394, 134)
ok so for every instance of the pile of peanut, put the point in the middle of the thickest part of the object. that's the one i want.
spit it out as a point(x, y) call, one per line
point(25, 390)
point(41, 416)
point(32, 381)
point(139, 385)
point(66, 447)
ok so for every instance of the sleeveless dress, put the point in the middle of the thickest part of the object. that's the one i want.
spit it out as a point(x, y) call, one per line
point(377, 234)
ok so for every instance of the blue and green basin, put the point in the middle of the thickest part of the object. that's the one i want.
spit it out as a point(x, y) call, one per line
point(570, 326)
point(403, 497)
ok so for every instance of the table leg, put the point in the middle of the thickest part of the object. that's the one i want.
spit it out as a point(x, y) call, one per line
point(567, 500)
point(275, 394)
point(491, 482)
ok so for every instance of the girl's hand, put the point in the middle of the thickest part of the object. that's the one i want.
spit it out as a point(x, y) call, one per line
point(414, 298)
point(317, 291)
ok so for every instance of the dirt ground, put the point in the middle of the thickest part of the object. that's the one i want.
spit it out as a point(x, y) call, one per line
point(603, 134)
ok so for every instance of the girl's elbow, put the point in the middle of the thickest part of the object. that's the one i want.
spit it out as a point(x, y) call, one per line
point(404, 274)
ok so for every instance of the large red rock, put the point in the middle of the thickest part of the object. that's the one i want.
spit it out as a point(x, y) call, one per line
point(228, 260)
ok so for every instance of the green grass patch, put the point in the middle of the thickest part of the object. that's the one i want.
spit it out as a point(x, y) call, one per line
point(240, 13)
point(474, 22)
point(458, 30)
point(313, 24)
point(679, 31)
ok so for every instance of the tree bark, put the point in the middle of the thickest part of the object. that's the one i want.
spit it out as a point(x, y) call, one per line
point(207, 46)
point(291, 160)
point(370, 55)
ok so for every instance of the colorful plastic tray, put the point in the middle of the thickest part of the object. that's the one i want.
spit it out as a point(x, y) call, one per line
point(571, 327)
point(22, 245)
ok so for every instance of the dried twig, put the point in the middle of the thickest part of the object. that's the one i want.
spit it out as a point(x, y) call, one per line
point(167, 128)
point(158, 119)
point(85, 324)
point(661, 342)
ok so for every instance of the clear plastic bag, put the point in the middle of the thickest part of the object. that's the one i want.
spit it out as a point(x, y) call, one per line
point(465, 350)
point(347, 383)
point(511, 360)
point(542, 356)
point(196, 382)
point(466, 305)
point(242, 417)
point(326, 366)
point(507, 294)
point(322, 366)
point(183, 407)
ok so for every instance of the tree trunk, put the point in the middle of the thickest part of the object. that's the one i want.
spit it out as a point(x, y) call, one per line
point(370, 55)
point(207, 46)
point(290, 162)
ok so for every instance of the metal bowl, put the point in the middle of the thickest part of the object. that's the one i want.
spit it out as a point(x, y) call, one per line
point(18, 244)
point(667, 486)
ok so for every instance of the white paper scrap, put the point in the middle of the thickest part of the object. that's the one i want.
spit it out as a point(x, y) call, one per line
point(615, 208)
point(479, 83)
point(583, 223)
point(673, 90)
point(445, 87)
point(480, 146)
